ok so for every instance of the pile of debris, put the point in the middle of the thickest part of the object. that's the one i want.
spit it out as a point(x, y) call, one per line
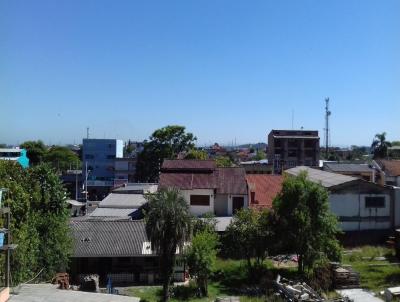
point(292, 291)
point(344, 277)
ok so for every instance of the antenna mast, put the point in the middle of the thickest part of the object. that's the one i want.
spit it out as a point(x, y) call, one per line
point(327, 132)
point(87, 132)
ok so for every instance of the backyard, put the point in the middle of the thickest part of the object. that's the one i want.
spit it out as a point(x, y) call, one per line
point(377, 266)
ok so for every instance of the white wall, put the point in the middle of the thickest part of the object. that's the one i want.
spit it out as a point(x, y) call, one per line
point(353, 206)
point(199, 210)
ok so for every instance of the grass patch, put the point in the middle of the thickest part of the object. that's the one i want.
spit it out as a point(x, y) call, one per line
point(374, 275)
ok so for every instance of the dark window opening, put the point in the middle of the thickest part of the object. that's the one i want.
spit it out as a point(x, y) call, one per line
point(374, 202)
point(199, 200)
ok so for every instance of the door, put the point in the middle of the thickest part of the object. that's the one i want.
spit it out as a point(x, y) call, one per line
point(237, 204)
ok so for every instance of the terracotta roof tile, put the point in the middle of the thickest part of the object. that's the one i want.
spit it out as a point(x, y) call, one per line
point(265, 188)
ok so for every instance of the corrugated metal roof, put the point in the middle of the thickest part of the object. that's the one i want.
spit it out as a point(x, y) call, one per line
point(140, 188)
point(101, 238)
point(191, 164)
point(348, 168)
point(231, 181)
point(326, 179)
point(112, 212)
point(265, 188)
point(123, 201)
point(224, 180)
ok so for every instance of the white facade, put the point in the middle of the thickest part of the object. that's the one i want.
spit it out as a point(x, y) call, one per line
point(220, 204)
point(355, 215)
point(198, 210)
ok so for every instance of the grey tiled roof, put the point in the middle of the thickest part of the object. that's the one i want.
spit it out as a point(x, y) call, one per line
point(326, 179)
point(348, 168)
point(102, 238)
point(123, 201)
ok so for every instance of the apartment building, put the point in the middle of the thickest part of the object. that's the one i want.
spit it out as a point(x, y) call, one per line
point(291, 148)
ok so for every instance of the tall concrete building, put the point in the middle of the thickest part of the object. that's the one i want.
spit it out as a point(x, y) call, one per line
point(291, 148)
point(98, 160)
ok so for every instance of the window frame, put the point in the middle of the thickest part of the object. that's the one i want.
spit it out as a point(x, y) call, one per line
point(200, 203)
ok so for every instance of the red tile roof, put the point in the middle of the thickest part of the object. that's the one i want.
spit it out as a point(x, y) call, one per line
point(265, 188)
point(188, 164)
point(391, 167)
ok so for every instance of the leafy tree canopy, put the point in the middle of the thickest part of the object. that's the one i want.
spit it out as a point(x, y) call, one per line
point(196, 154)
point(249, 236)
point(305, 223)
point(62, 158)
point(35, 150)
point(223, 161)
point(164, 143)
point(39, 221)
point(379, 146)
point(201, 256)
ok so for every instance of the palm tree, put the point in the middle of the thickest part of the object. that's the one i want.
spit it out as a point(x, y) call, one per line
point(380, 145)
point(168, 224)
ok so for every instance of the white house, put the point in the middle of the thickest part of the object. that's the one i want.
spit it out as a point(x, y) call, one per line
point(206, 188)
point(360, 205)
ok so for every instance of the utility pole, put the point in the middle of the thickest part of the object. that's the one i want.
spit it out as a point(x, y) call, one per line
point(327, 114)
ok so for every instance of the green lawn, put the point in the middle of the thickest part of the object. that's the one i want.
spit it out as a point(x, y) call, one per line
point(230, 275)
point(375, 275)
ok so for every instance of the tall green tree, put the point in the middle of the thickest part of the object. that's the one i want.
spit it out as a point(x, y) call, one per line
point(249, 236)
point(164, 143)
point(62, 158)
point(305, 223)
point(201, 256)
point(168, 224)
point(35, 150)
point(380, 145)
point(39, 221)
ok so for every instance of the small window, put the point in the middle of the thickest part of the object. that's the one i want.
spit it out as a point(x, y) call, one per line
point(253, 197)
point(110, 156)
point(89, 156)
point(374, 202)
point(199, 200)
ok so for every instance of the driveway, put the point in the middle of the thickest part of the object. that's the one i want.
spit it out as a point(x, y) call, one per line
point(50, 293)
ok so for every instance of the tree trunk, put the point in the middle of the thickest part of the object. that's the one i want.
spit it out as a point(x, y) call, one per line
point(300, 264)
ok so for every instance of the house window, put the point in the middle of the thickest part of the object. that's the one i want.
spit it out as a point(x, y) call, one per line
point(374, 202)
point(199, 200)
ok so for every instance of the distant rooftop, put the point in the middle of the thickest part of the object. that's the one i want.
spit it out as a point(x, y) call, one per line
point(138, 188)
point(349, 168)
point(326, 179)
point(123, 201)
point(188, 164)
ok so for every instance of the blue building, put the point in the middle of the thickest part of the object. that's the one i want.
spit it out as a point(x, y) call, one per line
point(98, 158)
point(15, 154)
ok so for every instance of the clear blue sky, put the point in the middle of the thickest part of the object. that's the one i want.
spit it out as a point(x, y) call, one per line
point(224, 69)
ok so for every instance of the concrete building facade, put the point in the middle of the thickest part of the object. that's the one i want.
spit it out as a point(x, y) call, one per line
point(291, 148)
